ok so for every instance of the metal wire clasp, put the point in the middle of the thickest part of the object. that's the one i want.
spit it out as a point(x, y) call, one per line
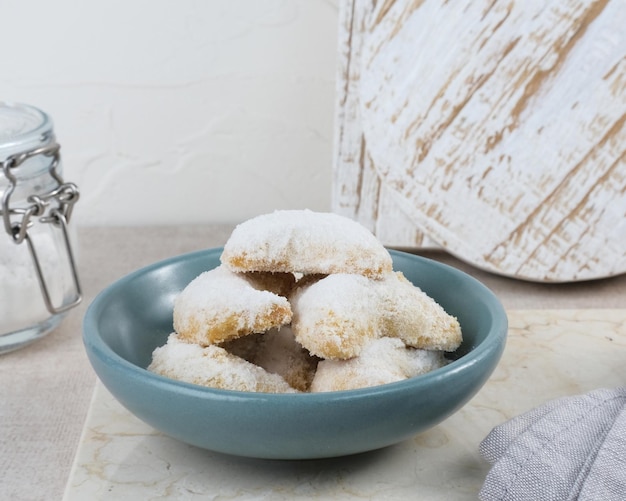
point(54, 207)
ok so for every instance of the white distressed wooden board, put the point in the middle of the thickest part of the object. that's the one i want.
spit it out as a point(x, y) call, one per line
point(494, 128)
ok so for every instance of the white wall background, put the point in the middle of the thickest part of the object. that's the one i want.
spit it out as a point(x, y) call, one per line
point(180, 111)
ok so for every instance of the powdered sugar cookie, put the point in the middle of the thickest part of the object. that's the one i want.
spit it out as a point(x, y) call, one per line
point(383, 360)
point(406, 312)
point(303, 241)
point(336, 316)
point(219, 305)
point(214, 367)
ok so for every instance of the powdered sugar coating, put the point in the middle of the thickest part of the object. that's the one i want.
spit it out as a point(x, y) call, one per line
point(303, 241)
point(214, 367)
point(408, 313)
point(336, 316)
point(383, 360)
point(219, 305)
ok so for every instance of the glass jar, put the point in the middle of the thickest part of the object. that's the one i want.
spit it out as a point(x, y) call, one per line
point(38, 277)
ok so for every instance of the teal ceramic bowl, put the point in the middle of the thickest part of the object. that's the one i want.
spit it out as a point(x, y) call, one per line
point(131, 317)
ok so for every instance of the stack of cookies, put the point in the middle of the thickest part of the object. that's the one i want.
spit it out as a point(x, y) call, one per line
point(304, 302)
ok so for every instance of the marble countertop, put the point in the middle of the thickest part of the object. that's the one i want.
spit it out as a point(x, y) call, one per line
point(48, 390)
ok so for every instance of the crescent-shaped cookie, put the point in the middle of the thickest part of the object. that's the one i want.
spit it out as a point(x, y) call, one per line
point(336, 316)
point(219, 305)
point(383, 360)
point(307, 242)
point(214, 367)
point(408, 313)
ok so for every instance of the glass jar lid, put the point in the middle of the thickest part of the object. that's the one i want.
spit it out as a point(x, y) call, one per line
point(22, 127)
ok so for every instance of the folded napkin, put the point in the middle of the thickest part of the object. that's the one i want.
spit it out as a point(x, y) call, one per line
point(571, 448)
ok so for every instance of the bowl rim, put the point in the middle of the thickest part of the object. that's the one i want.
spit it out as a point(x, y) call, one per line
point(96, 347)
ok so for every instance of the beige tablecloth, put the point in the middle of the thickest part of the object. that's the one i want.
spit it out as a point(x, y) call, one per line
point(46, 388)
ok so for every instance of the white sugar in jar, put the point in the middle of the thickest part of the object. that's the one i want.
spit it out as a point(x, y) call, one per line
point(38, 277)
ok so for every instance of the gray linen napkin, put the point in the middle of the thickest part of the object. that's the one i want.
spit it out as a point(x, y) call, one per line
point(571, 448)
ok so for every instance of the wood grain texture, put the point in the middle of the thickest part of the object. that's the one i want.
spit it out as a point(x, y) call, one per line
point(497, 128)
point(358, 191)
